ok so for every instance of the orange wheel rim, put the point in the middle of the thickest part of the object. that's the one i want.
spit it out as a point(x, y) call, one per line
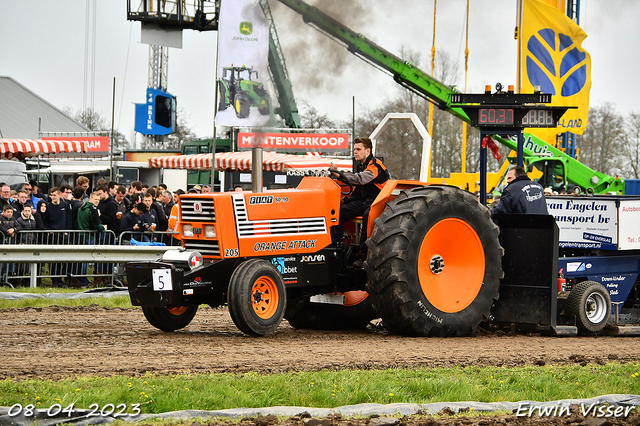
point(451, 265)
point(265, 297)
point(178, 310)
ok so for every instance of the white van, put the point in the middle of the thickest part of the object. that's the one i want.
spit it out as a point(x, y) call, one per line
point(12, 172)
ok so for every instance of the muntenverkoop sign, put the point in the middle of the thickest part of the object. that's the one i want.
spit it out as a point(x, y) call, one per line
point(294, 142)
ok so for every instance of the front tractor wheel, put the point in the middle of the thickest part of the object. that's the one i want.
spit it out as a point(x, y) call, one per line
point(170, 319)
point(257, 297)
point(242, 105)
point(434, 262)
point(589, 301)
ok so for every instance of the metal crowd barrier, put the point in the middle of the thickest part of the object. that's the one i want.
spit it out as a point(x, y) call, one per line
point(137, 237)
point(72, 255)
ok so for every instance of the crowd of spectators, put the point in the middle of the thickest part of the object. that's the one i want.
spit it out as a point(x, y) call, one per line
point(125, 212)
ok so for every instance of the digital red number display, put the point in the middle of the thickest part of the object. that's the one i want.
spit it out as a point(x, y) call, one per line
point(495, 116)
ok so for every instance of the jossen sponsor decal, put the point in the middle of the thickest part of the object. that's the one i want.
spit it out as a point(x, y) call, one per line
point(313, 258)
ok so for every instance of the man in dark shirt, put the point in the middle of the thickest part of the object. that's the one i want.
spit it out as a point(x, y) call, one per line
point(58, 215)
point(108, 207)
point(83, 181)
point(133, 221)
point(369, 178)
point(5, 195)
point(66, 192)
point(135, 188)
point(167, 203)
point(161, 217)
point(108, 215)
point(124, 205)
point(58, 218)
point(521, 195)
point(18, 205)
point(8, 226)
point(75, 202)
point(78, 269)
point(8, 221)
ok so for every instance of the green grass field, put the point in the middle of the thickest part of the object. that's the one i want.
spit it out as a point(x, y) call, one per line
point(327, 389)
point(157, 394)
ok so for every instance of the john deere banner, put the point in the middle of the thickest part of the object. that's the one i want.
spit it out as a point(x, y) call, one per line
point(553, 59)
point(242, 64)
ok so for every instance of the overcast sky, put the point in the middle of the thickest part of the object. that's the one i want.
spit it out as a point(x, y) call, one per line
point(42, 46)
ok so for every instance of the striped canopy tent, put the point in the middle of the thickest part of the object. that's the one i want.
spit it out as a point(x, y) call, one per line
point(21, 148)
point(241, 161)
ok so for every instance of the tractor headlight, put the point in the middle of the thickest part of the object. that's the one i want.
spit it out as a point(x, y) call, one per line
point(187, 230)
point(210, 231)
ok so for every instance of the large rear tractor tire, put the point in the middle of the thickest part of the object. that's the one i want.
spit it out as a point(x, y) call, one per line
point(589, 301)
point(355, 314)
point(434, 262)
point(257, 297)
point(265, 106)
point(170, 319)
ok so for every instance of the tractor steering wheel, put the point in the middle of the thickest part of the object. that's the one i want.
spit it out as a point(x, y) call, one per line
point(342, 178)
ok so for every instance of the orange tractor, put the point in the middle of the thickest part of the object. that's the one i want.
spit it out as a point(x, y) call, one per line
point(433, 266)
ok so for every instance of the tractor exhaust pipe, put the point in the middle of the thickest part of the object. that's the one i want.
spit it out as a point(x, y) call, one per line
point(256, 170)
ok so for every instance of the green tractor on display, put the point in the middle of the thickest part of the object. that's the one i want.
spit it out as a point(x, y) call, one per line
point(239, 87)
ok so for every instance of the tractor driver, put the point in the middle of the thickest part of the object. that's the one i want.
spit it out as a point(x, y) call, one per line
point(368, 180)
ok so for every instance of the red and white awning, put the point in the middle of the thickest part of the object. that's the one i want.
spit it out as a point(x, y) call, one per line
point(240, 161)
point(10, 148)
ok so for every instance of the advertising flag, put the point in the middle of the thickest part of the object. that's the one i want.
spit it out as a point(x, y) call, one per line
point(243, 99)
point(554, 60)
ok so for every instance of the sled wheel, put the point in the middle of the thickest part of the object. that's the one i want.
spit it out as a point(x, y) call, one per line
point(242, 105)
point(589, 301)
point(355, 314)
point(222, 93)
point(257, 297)
point(434, 262)
point(170, 319)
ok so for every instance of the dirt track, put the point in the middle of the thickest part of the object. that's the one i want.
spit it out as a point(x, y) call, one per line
point(55, 343)
point(60, 342)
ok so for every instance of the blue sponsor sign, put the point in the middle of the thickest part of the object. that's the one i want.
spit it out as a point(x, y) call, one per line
point(158, 115)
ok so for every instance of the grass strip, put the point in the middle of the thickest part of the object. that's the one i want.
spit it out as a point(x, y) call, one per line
point(109, 302)
point(327, 389)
